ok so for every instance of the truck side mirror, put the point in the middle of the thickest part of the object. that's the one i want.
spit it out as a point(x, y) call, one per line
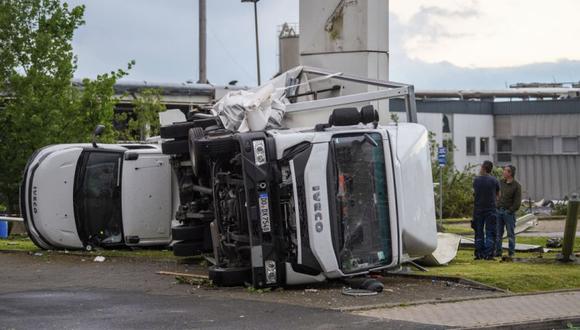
point(97, 132)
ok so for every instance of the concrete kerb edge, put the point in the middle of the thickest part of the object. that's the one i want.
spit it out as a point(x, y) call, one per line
point(529, 325)
point(504, 294)
point(448, 301)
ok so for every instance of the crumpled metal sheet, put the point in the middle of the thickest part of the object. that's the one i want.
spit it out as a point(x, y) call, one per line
point(260, 108)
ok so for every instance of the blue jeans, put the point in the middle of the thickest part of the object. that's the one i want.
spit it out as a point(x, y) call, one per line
point(484, 225)
point(507, 220)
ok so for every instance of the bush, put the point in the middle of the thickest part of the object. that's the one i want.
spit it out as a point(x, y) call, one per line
point(457, 185)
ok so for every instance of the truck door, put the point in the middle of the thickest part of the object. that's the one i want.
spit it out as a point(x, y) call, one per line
point(146, 198)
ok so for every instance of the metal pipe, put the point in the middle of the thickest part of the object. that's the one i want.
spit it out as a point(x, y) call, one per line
point(499, 93)
point(570, 230)
point(202, 189)
point(257, 41)
point(202, 43)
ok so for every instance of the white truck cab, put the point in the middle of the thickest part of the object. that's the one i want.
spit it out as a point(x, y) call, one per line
point(77, 196)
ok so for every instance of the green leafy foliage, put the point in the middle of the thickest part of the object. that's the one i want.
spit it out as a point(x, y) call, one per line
point(457, 185)
point(39, 105)
point(143, 122)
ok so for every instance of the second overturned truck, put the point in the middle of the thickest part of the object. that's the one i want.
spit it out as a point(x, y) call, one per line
point(277, 204)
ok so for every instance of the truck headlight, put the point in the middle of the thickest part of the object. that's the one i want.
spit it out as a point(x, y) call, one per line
point(259, 152)
point(270, 266)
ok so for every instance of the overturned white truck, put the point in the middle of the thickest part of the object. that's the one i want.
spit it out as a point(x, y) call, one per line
point(281, 205)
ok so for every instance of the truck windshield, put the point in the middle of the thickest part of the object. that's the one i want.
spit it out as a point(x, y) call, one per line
point(98, 199)
point(361, 202)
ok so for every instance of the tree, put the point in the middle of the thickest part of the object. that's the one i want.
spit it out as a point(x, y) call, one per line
point(38, 103)
point(143, 122)
point(457, 185)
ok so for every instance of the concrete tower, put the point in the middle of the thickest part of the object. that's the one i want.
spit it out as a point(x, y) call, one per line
point(349, 36)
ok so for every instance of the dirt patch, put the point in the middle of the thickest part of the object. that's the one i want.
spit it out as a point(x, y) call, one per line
point(22, 271)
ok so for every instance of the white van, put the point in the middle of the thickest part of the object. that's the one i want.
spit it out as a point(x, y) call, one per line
point(80, 196)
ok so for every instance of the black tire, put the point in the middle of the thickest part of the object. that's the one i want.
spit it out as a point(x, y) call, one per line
point(188, 249)
point(368, 114)
point(181, 130)
point(344, 117)
point(215, 148)
point(230, 276)
point(194, 233)
point(177, 130)
point(175, 147)
point(197, 164)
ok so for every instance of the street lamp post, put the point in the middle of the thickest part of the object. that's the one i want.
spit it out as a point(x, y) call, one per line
point(202, 44)
point(257, 41)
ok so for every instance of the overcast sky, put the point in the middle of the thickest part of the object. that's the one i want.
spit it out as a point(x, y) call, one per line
point(433, 44)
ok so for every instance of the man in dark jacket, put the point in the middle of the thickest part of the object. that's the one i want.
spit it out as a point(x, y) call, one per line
point(486, 191)
point(509, 203)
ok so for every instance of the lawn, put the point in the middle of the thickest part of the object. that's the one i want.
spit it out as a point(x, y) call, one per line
point(538, 274)
point(23, 243)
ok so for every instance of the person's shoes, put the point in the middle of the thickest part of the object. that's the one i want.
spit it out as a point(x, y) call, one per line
point(507, 258)
point(477, 258)
point(490, 258)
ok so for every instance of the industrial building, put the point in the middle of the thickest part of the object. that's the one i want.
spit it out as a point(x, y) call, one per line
point(540, 137)
point(533, 127)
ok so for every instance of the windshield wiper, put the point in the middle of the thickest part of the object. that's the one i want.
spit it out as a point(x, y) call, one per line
point(370, 140)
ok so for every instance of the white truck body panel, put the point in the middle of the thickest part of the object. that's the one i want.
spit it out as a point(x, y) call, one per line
point(416, 209)
point(147, 205)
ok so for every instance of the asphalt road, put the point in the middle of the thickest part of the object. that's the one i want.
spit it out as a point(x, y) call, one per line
point(64, 292)
point(117, 309)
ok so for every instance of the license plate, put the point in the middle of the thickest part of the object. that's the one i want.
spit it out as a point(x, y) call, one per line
point(264, 212)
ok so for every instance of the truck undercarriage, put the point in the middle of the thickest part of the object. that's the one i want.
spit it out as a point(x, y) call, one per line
point(280, 205)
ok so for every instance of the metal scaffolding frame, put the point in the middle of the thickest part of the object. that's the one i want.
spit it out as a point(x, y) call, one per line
point(391, 90)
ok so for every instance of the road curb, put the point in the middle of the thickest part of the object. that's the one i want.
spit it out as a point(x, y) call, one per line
point(502, 294)
point(557, 323)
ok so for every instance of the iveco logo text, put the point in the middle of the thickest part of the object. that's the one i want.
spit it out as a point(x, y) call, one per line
point(317, 209)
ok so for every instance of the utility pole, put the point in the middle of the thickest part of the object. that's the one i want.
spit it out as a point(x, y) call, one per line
point(257, 41)
point(202, 44)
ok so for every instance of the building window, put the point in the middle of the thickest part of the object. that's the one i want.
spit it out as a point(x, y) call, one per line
point(504, 151)
point(524, 145)
point(570, 145)
point(546, 146)
point(446, 124)
point(470, 146)
point(484, 146)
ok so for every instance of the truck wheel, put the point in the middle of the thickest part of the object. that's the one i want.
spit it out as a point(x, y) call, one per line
point(181, 130)
point(368, 114)
point(187, 248)
point(215, 148)
point(189, 233)
point(175, 147)
point(177, 130)
point(196, 160)
point(230, 276)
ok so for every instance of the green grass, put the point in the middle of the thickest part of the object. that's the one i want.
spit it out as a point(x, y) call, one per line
point(539, 274)
point(18, 243)
point(456, 220)
point(23, 243)
point(458, 229)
